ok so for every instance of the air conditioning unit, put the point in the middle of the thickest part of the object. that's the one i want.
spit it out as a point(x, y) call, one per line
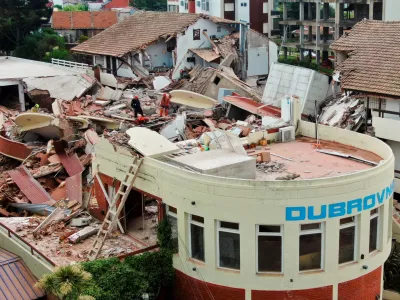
point(287, 134)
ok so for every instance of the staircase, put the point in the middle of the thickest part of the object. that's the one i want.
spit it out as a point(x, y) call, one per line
point(113, 212)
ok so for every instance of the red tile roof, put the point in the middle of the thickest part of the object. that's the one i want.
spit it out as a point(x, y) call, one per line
point(139, 30)
point(117, 4)
point(84, 19)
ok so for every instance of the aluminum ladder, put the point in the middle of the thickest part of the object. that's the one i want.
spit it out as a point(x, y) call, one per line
point(113, 213)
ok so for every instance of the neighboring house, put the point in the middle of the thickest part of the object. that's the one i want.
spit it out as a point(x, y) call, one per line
point(108, 5)
point(372, 73)
point(71, 2)
point(347, 14)
point(72, 25)
point(95, 6)
point(256, 13)
point(154, 41)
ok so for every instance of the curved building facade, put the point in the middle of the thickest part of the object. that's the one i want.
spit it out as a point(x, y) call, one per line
point(323, 237)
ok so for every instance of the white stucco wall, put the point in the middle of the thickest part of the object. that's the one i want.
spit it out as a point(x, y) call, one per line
point(242, 13)
point(250, 202)
point(391, 10)
point(158, 54)
point(186, 42)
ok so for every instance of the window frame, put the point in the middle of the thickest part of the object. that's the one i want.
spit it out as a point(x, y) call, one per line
point(258, 233)
point(224, 229)
point(174, 215)
point(376, 215)
point(320, 230)
point(354, 224)
point(196, 223)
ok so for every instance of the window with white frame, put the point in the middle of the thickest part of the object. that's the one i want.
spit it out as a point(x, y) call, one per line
point(228, 245)
point(196, 236)
point(311, 246)
point(269, 248)
point(373, 229)
point(205, 5)
point(172, 215)
point(347, 239)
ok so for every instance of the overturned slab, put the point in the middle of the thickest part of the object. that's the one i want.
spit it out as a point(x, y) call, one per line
point(103, 122)
point(149, 143)
point(192, 99)
point(14, 149)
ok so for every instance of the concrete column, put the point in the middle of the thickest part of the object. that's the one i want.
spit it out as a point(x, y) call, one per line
point(310, 34)
point(285, 52)
point(325, 34)
point(318, 29)
point(356, 11)
point(301, 54)
point(326, 11)
point(371, 10)
point(21, 96)
point(325, 55)
point(285, 11)
point(301, 18)
point(337, 19)
point(318, 58)
point(309, 13)
point(310, 55)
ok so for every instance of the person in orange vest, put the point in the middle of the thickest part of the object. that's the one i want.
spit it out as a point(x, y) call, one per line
point(165, 102)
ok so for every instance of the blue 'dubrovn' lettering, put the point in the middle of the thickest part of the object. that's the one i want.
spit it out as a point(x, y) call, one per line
point(339, 209)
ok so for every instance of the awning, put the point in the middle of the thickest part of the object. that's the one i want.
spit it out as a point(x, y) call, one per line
point(16, 280)
point(206, 54)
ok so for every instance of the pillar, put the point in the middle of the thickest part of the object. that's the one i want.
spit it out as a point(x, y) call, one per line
point(310, 55)
point(21, 96)
point(318, 57)
point(285, 52)
point(337, 19)
point(325, 34)
point(310, 34)
point(317, 20)
point(309, 13)
point(326, 11)
point(325, 55)
point(301, 18)
point(285, 11)
point(371, 10)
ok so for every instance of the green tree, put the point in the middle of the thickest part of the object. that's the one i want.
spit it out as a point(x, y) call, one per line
point(154, 5)
point(18, 18)
point(43, 45)
point(58, 6)
point(77, 7)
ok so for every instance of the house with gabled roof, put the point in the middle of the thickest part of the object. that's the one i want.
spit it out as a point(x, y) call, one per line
point(154, 41)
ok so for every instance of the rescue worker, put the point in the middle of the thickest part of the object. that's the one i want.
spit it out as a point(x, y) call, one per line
point(136, 106)
point(165, 102)
point(35, 108)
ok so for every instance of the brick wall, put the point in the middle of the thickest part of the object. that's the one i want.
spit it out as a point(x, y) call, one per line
point(366, 287)
point(323, 293)
point(188, 288)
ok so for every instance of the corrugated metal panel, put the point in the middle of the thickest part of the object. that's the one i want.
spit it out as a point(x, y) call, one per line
point(16, 280)
point(30, 187)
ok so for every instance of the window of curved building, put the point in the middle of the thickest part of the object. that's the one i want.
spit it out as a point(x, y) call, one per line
point(310, 246)
point(373, 229)
point(172, 214)
point(228, 245)
point(269, 248)
point(196, 236)
point(347, 239)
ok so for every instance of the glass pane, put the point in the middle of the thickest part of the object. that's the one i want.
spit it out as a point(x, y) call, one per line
point(197, 219)
point(346, 220)
point(311, 226)
point(373, 234)
point(229, 225)
point(269, 254)
point(268, 228)
point(197, 242)
point(346, 244)
point(229, 250)
point(310, 251)
point(174, 232)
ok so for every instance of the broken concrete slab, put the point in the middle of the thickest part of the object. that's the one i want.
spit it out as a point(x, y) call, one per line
point(107, 93)
point(103, 122)
point(161, 82)
point(150, 143)
point(83, 234)
point(192, 99)
point(109, 80)
point(66, 87)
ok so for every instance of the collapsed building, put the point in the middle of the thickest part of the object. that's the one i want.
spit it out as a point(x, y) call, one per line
point(82, 179)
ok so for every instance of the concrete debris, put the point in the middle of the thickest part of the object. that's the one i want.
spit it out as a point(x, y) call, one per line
point(346, 112)
point(271, 167)
point(83, 234)
point(288, 177)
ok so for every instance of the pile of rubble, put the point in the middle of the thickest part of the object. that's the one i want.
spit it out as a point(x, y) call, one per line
point(347, 112)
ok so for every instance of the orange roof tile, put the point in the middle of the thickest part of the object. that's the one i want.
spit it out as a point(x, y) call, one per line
point(84, 19)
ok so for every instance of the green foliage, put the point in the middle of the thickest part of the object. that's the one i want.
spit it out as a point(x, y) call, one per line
point(391, 275)
point(58, 6)
point(294, 61)
point(69, 283)
point(18, 18)
point(76, 7)
point(154, 5)
point(83, 38)
point(164, 235)
point(42, 45)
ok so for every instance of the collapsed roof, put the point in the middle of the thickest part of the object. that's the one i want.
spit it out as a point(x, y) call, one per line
point(134, 32)
point(373, 47)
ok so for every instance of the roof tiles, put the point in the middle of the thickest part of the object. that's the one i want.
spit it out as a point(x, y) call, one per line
point(371, 68)
point(139, 30)
point(84, 19)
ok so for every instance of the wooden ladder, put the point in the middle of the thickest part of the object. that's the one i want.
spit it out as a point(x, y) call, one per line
point(113, 213)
